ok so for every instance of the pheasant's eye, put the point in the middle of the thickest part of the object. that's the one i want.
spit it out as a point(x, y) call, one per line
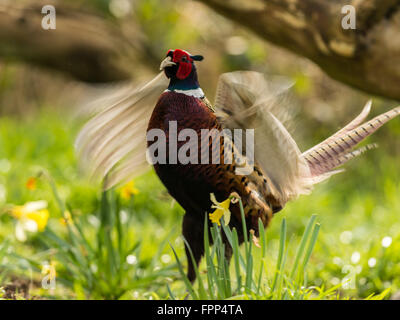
point(184, 59)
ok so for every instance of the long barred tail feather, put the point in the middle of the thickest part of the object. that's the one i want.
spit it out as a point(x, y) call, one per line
point(337, 149)
point(350, 126)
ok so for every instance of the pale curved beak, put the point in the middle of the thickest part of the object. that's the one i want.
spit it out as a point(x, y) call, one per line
point(166, 63)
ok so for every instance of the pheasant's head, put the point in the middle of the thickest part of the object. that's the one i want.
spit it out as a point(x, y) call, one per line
point(179, 67)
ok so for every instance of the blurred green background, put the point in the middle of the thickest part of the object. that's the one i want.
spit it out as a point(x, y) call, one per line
point(359, 210)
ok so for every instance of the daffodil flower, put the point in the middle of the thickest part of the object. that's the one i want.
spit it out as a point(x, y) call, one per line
point(128, 190)
point(221, 209)
point(67, 219)
point(31, 183)
point(50, 268)
point(32, 217)
point(49, 272)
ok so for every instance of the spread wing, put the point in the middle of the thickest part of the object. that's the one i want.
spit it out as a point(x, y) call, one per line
point(112, 145)
point(245, 100)
point(238, 91)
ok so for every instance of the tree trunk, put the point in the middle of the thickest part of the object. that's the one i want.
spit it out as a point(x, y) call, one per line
point(367, 58)
point(83, 45)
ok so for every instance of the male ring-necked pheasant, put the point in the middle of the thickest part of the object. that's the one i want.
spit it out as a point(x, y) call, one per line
point(113, 144)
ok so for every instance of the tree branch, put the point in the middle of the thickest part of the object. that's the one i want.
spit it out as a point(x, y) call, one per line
point(83, 45)
point(367, 58)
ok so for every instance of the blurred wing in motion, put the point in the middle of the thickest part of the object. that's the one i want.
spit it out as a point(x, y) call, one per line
point(245, 101)
point(113, 143)
point(238, 91)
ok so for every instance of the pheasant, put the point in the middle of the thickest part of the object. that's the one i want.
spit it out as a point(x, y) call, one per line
point(113, 145)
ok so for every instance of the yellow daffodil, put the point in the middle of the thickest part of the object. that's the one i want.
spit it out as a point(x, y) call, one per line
point(128, 190)
point(50, 270)
point(31, 183)
point(32, 217)
point(221, 209)
point(67, 219)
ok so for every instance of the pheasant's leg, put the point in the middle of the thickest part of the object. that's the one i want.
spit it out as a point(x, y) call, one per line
point(228, 252)
point(193, 230)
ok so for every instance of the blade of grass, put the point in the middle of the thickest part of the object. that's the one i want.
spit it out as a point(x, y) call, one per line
point(211, 273)
point(170, 293)
point(249, 268)
point(281, 277)
point(302, 276)
point(282, 242)
point(202, 291)
point(189, 286)
point(230, 238)
point(244, 226)
point(236, 256)
point(303, 242)
point(263, 248)
point(311, 245)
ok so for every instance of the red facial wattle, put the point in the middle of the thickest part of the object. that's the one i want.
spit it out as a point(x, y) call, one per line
point(185, 63)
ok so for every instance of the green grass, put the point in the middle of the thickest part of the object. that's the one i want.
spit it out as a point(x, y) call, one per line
point(248, 281)
point(122, 249)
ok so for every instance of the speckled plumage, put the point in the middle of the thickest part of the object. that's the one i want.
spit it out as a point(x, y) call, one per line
point(191, 184)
